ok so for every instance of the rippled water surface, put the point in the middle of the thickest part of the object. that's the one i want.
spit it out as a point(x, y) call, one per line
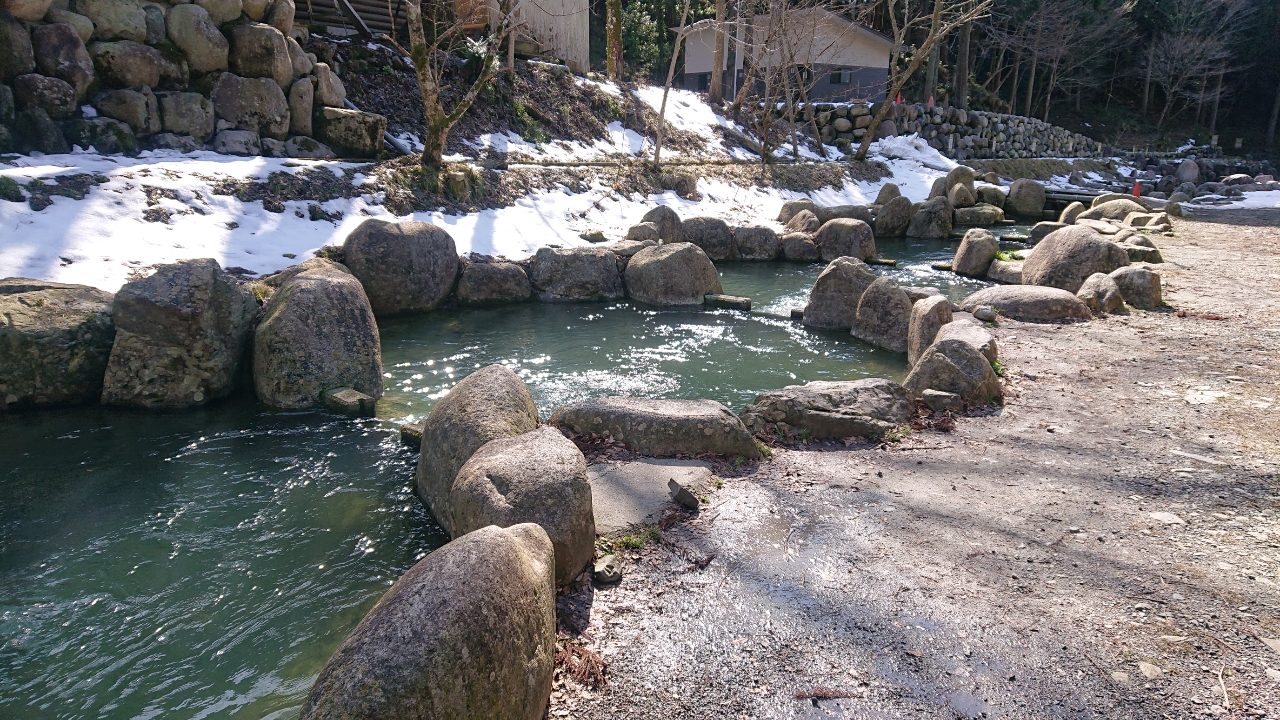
point(206, 564)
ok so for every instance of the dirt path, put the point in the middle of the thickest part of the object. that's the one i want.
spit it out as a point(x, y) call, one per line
point(1013, 567)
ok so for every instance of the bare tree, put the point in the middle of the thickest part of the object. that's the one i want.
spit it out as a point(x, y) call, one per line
point(1196, 43)
point(613, 39)
point(430, 57)
point(681, 32)
point(716, 92)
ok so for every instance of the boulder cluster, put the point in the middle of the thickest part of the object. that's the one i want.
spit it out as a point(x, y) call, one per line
point(124, 75)
point(1190, 179)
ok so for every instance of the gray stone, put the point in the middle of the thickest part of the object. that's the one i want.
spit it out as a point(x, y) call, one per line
point(992, 195)
point(126, 64)
point(493, 283)
point(298, 58)
point(1041, 230)
point(644, 232)
point(29, 10)
point(960, 196)
point(54, 343)
point(256, 104)
point(137, 107)
point(607, 570)
point(757, 243)
point(576, 274)
point(1026, 199)
point(221, 11)
point(33, 130)
point(628, 248)
point(280, 16)
point(888, 192)
point(317, 333)
point(1101, 294)
point(916, 294)
point(1069, 255)
point(843, 237)
point(115, 19)
point(305, 147)
point(791, 207)
point(798, 247)
point(60, 53)
point(1139, 286)
point(859, 408)
point(1116, 210)
point(1070, 213)
point(349, 402)
point(537, 477)
point(833, 301)
point(1005, 272)
point(684, 495)
point(104, 135)
point(351, 133)
point(847, 212)
point(932, 220)
point(980, 214)
point(489, 404)
point(329, 89)
point(627, 495)
point(894, 217)
point(468, 632)
point(928, 315)
point(259, 51)
point(1188, 172)
point(1029, 303)
point(16, 55)
point(975, 335)
point(884, 316)
point(237, 142)
point(976, 251)
point(671, 274)
point(712, 235)
point(55, 97)
point(954, 366)
point(156, 32)
point(196, 34)
point(984, 313)
point(942, 402)
point(804, 221)
point(187, 113)
point(660, 427)
point(404, 267)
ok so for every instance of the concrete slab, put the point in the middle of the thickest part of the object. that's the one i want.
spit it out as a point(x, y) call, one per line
point(636, 492)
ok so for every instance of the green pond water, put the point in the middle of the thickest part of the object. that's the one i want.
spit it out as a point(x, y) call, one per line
point(207, 563)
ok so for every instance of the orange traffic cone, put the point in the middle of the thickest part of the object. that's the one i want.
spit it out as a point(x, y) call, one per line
point(1137, 189)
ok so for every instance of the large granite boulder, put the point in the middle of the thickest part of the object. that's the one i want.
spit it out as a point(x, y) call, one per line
point(281, 15)
point(883, 317)
point(187, 113)
point(317, 333)
point(976, 251)
point(537, 477)
point(671, 274)
point(791, 207)
point(137, 107)
point(1188, 171)
point(954, 366)
point(661, 427)
point(712, 235)
point(488, 404)
point(804, 221)
point(181, 337)
point(980, 214)
point(16, 54)
point(351, 133)
point(798, 247)
point(115, 19)
point(960, 175)
point(960, 196)
point(60, 53)
point(56, 97)
point(566, 274)
point(833, 301)
point(975, 335)
point(196, 34)
point(865, 408)
point(468, 632)
point(222, 11)
point(1026, 199)
point(1116, 210)
point(126, 64)
point(894, 217)
point(1029, 303)
point(54, 343)
point(493, 283)
point(757, 243)
point(28, 10)
point(254, 104)
point(1101, 294)
point(1139, 286)
point(259, 51)
point(992, 195)
point(928, 315)
point(845, 237)
point(330, 92)
point(932, 220)
point(1069, 255)
point(845, 212)
point(668, 222)
point(888, 192)
point(404, 267)
point(1006, 272)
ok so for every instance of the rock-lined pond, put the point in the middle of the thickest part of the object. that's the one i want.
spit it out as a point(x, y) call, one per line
point(207, 562)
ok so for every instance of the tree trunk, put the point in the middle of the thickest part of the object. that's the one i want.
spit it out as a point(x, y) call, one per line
point(1048, 96)
point(1031, 79)
point(613, 39)
point(917, 60)
point(931, 76)
point(1013, 91)
point(1275, 115)
point(962, 68)
point(666, 90)
point(1217, 96)
point(511, 57)
point(1146, 83)
point(1204, 85)
point(716, 94)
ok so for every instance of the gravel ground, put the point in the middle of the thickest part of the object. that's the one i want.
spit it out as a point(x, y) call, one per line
point(1106, 545)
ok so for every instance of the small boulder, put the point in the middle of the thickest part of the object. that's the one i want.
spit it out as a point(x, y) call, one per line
point(1071, 212)
point(1139, 286)
point(859, 408)
point(351, 133)
point(351, 403)
point(756, 243)
point(493, 283)
point(644, 232)
point(791, 207)
point(833, 301)
point(181, 337)
point(954, 366)
point(156, 32)
point(932, 220)
point(138, 107)
point(1029, 303)
point(668, 222)
point(237, 142)
point(1101, 294)
point(256, 104)
point(671, 274)
point(56, 97)
point(115, 19)
point(661, 428)
point(883, 317)
point(330, 91)
point(1026, 199)
point(301, 104)
point(847, 212)
point(1116, 210)
point(16, 54)
point(960, 175)
point(305, 147)
point(992, 195)
point(60, 53)
point(1069, 255)
point(468, 632)
point(488, 404)
point(34, 130)
point(712, 235)
point(281, 15)
point(798, 247)
point(1005, 272)
point(316, 333)
point(298, 58)
point(928, 315)
point(894, 217)
point(976, 251)
point(628, 248)
point(888, 192)
point(28, 10)
point(1041, 230)
point(537, 477)
point(259, 51)
point(187, 113)
point(404, 267)
point(804, 221)
point(980, 214)
point(576, 274)
point(196, 34)
point(126, 63)
point(973, 334)
point(221, 11)
point(960, 196)
point(55, 340)
point(844, 237)
point(1188, 171)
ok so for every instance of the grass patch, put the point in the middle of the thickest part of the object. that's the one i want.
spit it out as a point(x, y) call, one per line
point(637, 540)
point(1006, 255)
point(897, 434)
point(999, 368)
point(764, 450)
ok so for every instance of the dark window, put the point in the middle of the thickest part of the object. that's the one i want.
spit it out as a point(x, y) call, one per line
point(841, 76)
point(704, 81)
